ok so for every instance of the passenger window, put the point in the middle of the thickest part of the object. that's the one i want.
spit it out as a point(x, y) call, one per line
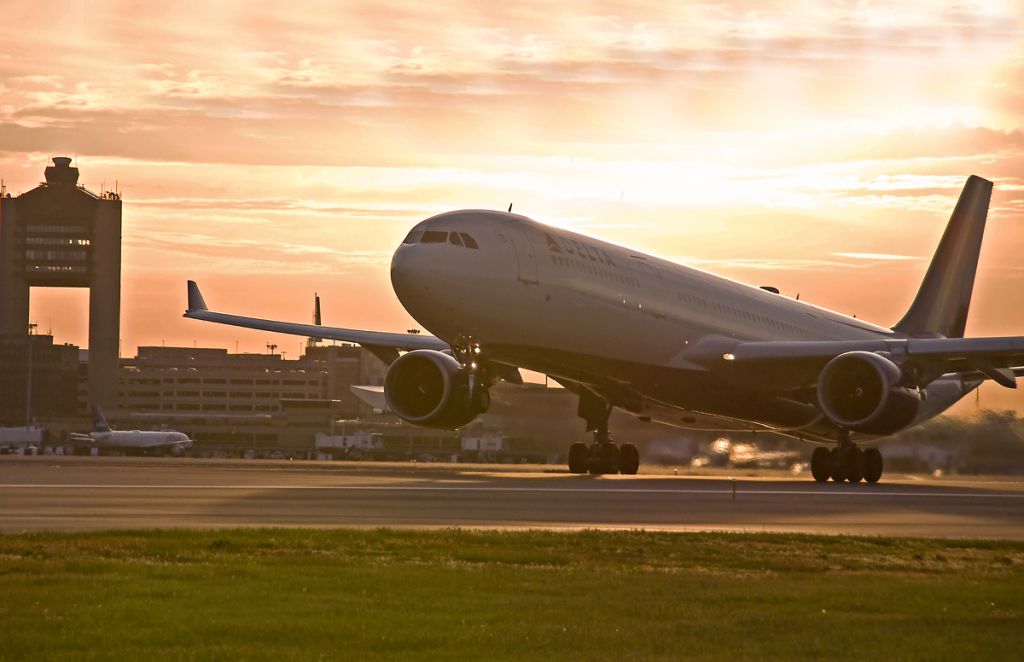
point(434, 237)
point(413, 237)
point(454, 239)
point(468, 241)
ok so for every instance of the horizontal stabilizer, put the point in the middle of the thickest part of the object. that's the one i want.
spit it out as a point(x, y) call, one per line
point(1003, 376)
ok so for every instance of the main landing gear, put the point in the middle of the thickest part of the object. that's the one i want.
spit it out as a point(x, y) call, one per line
point(602, 456)
point(846, 462)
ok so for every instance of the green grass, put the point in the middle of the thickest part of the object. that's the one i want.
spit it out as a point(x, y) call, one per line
point(344, 594)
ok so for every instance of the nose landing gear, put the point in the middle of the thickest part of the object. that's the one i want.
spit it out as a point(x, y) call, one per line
point(846, 462)
point(473, 359)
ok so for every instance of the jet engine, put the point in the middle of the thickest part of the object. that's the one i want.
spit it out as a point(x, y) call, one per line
point(866, 392)
point(431, 389)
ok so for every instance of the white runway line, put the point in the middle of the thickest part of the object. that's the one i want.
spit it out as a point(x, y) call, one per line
point(547, 490)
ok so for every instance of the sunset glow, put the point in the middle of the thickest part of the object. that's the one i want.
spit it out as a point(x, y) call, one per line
point(270, 152)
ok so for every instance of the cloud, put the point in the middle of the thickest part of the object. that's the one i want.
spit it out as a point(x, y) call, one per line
point(750, 135)
point(768, 264)
point(256, 256)
point(876, 257)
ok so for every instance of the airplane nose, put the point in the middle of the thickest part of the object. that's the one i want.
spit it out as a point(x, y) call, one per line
point(401, 269)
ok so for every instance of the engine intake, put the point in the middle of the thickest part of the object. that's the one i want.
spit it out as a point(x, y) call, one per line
point(864, 392)
point(429, 388)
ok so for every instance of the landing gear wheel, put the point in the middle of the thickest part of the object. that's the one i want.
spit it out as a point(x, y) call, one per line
point(821, 461)
point(836, 469)
point(853, 463)
point(872, 465)
point(629, 459)
point(578, 456)
point(604, 458)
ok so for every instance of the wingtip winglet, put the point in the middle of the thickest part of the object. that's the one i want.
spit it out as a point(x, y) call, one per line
point(195, 298)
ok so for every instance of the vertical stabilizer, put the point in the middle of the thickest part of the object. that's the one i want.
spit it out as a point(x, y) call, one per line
point(99, 422)
point(940, 307)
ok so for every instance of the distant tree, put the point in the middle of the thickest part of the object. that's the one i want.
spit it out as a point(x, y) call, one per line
point(989, 441)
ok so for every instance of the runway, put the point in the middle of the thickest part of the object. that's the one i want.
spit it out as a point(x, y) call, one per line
point(86, 493)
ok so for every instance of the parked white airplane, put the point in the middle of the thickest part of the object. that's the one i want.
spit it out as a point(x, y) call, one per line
point(103, 437)
point(668, 342)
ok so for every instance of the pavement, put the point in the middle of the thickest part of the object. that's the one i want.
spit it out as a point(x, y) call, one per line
point(96, 493)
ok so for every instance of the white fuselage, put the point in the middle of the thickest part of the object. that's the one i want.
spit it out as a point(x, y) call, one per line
point(137, 439)
point(567, 305)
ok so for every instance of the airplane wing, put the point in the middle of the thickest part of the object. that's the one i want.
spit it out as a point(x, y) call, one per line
point(370, 395)
point(798, 363)
point(383, 345)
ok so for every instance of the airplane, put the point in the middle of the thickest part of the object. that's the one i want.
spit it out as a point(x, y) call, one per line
point(103, 437)
point(666, 342)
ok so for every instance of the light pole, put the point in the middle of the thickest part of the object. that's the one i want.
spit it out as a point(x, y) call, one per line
point(28, 381)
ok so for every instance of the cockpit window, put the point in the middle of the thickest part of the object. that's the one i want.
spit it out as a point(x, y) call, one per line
point(437, 237)
point(434, 237)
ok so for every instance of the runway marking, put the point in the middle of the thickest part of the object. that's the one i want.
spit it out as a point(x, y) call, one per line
point(549, 490)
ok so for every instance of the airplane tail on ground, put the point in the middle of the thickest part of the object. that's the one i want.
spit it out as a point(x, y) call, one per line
point(940, 307)
point(99, 421)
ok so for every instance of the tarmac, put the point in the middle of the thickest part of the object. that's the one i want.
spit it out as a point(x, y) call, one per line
point(98, 493)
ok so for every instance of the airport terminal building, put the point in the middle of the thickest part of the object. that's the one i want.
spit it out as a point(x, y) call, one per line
point(245, 401)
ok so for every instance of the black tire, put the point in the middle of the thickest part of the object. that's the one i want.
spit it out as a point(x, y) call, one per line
point(629, 459)
point(604, 458)
point(872, 465)
point(836, 470)
point(854, 465)
point(579, 454)
point(821, 464)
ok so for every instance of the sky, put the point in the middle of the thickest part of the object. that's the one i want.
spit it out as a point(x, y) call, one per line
point(271, 151)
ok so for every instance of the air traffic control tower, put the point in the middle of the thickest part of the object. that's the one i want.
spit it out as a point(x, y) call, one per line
point(61, 235)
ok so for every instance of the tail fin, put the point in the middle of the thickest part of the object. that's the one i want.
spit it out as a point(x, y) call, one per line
point(940, 308)
point(99, 422)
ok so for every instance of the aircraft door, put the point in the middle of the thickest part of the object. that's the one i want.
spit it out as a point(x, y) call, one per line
point(653, 288)
point(526, 256)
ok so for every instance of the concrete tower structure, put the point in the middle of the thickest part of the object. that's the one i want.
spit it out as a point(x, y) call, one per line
point(61, 235)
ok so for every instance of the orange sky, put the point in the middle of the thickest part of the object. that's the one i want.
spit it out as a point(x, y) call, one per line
point(273, 151)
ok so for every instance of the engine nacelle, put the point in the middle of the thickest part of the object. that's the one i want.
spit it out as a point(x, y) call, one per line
point(863, 391)
point(429, 388)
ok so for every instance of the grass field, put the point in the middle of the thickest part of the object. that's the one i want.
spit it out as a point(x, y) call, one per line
point(344, 594)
